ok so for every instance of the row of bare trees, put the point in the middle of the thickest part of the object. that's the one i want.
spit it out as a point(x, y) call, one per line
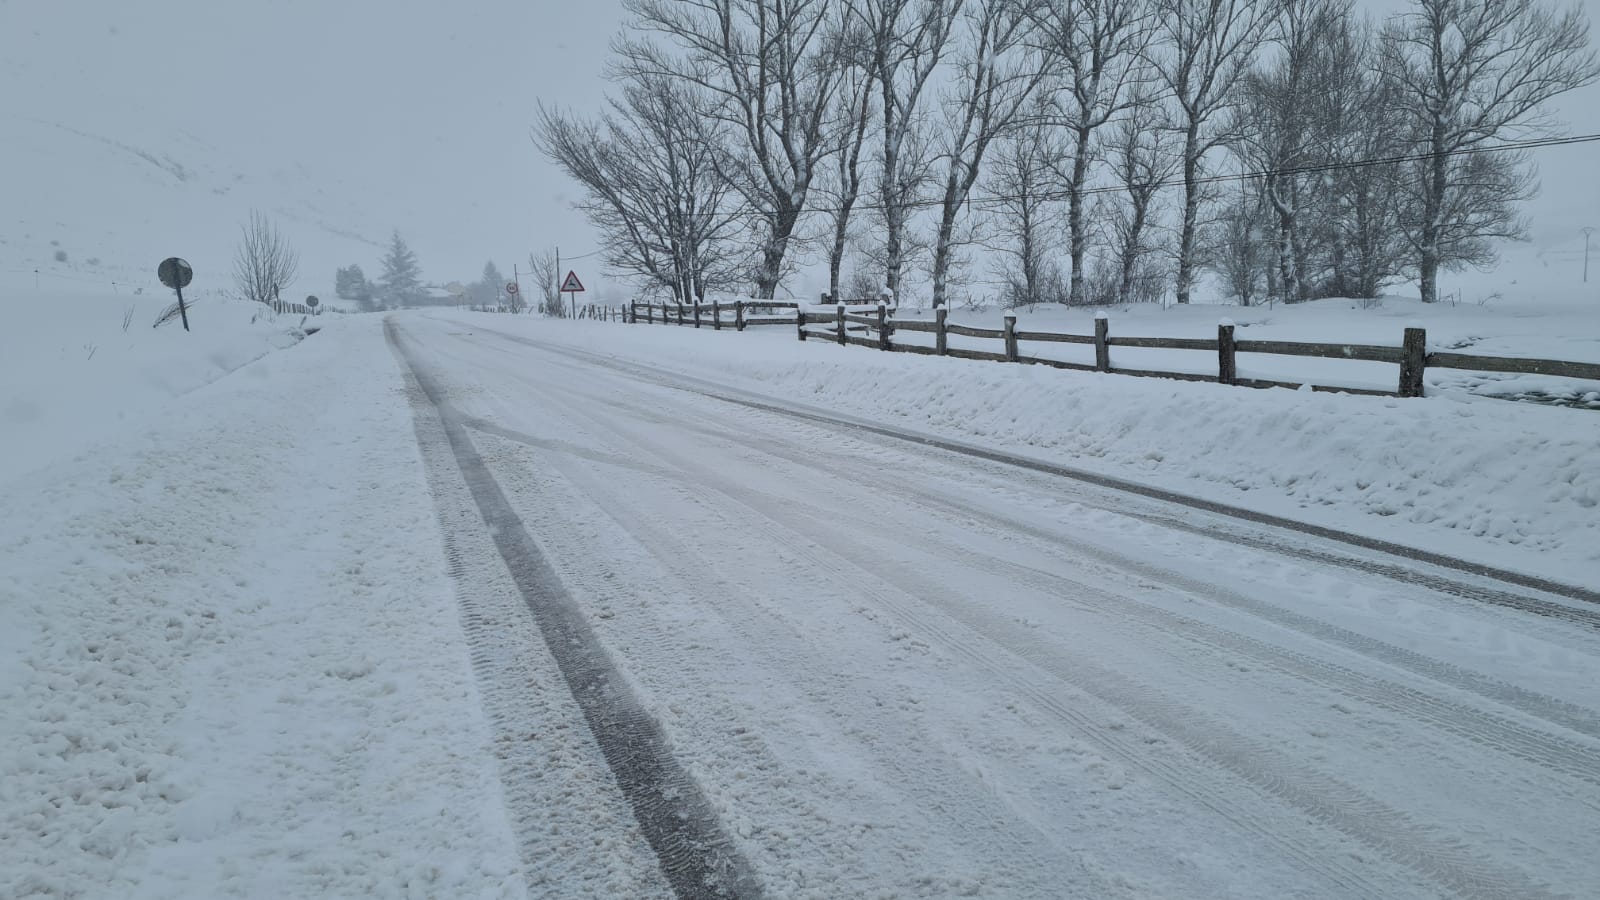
point(1108, 150)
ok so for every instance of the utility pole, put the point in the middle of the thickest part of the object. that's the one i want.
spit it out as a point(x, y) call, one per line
point(557, 274)
point(1586, 232)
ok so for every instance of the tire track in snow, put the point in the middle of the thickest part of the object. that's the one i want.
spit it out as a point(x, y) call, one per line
point(1037, 684)
point(1588, 617)
point(915, 772)
point(1443, 859)
point(695, 855)
point(1064, 546)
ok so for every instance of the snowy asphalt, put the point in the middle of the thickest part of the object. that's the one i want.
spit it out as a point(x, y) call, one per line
point(874, 668)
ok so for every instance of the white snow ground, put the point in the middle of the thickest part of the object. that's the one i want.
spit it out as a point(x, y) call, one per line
point(239, 656)
point(230, 663)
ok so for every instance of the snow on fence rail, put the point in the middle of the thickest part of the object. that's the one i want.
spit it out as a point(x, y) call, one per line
point(847, 327)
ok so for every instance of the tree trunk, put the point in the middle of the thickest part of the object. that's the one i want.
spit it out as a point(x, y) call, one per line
point(771, 272)
point(1432, 212)
point(1078, 241)
point(1288, 262)
point(1191, 211)
point(1130, 250)
point(836, 256)
point(893, 215)
point(941, 256)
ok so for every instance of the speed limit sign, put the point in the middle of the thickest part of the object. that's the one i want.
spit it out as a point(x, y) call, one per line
point(511, 288)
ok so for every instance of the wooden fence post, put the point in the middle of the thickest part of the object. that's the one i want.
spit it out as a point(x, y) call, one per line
point(697, 312)
point(1102, 350)
point(800, 319)
point(738, 315)
point(649, 313)
point(941, 338)
point(1011, 338)
point(1413, 360)
point(716, 315)
point(883, 325)
point(680, 314)
point(1227, 361)
point(839, 311)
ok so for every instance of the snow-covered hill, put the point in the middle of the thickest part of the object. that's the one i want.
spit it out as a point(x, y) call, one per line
point(97, 199)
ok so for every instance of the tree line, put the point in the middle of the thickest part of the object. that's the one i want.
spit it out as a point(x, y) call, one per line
point(1105, 151)
point(400, 285)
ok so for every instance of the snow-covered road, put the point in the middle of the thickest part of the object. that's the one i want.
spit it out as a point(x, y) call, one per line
point(875, 668)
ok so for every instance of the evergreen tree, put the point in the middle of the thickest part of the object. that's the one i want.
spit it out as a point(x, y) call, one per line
point(401, 282)
point(490, 289)
point(351, 284)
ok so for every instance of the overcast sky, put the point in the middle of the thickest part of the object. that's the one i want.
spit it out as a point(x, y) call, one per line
point(418, 113)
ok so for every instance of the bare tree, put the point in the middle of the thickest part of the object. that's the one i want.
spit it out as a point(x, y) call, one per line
point(653, 187)
point(1202, 49)
point(544, 269)
point(1028, 214)
point(770, 70)
point(852, 120)
point(1277, 129)
point(996, 75)
point(1363, 122)
point(1470, 72)
point(1142, 159)
point(906, 40)
point(264, 263)
point(1099, 47)
point(1238, 247)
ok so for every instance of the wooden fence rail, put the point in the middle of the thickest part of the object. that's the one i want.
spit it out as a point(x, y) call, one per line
point(848, 325)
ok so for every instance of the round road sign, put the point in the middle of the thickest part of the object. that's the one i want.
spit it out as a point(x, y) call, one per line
point(312, 301)
point(511, 287)
point(175, 273)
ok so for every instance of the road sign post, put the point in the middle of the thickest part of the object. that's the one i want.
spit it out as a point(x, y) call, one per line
point(572, 286)
point(176, 274)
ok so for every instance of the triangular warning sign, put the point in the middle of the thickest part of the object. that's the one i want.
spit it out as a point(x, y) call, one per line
point(572, 283)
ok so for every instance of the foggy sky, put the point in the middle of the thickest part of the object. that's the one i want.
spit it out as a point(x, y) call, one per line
point(418, 113)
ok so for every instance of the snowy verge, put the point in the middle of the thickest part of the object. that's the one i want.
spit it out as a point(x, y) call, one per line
point(70, 372)
point(231, 662)
point(1513, 485)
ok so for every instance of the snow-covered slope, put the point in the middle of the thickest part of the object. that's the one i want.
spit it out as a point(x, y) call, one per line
point(93, 200)
point(71, 373)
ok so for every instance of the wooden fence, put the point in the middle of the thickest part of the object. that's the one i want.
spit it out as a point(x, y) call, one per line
point(877, 327)
point(287, 308)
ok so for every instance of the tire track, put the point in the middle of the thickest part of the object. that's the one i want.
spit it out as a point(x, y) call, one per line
point(695, 855)
point(1042, 687)
point(897, 744)
point(1069, 549)
point(1442, 859)
point(1587, 617)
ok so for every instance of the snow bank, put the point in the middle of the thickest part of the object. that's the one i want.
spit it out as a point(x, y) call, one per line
point(69, 372)
point(1512, 484)
point(230, 656)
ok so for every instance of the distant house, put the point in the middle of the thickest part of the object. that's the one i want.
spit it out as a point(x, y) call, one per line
point(440, 296)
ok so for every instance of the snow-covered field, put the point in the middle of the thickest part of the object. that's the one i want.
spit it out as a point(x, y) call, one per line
point(256, 640)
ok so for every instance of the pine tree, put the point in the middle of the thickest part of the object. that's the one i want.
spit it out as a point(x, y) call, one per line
point(401, 282)
point(490, 290)
point(351, 284)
